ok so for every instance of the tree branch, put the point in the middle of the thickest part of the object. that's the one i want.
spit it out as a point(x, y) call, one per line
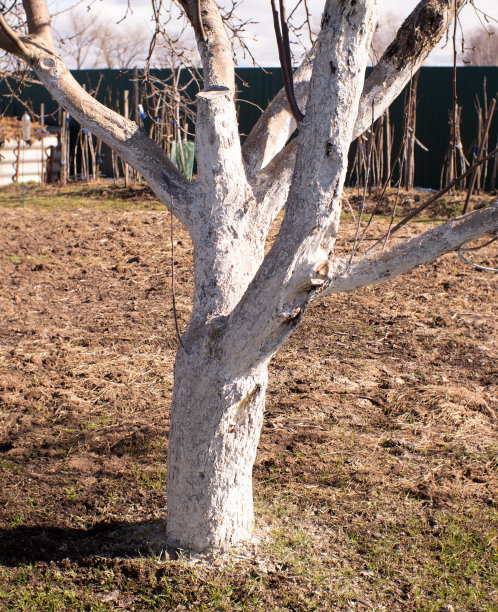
point(297, 264)
point(123, 135)
point(38, 17)
point(417, 36)
point(212, 41)
point(409, 254)
point(218, 151)
point(282, 36)
point(10, 41)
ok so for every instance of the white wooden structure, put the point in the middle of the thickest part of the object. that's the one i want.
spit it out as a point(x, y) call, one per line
point(24, 162)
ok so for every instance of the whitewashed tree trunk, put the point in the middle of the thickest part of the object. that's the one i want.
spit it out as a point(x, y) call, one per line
point(247, 304)
point(216, 420)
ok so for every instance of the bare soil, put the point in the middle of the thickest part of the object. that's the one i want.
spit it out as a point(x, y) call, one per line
point(376, 481)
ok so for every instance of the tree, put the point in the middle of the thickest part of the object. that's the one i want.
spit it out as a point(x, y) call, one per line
point(122, 49)
point(80, 44)
point(247, 304)
point(483, 47)
point(91, 42)
point(384, 33)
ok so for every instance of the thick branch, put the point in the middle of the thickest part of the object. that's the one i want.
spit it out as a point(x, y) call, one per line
point(229, 247)
point(9, 41)
point(38, 17)
point(418, 35)
point(212, 41)
point(218, 152)
point(124, 136)
point(409, 254)
point(416, 38)
point(297, 265)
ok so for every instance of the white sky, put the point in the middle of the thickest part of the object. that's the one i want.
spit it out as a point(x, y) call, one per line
point(264, 46)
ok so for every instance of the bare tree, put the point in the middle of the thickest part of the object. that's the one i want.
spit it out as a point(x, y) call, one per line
point(122, 47)
point(247, 304)
point(79, 42)
point(482, 47)
point(384, 34)
point(91, 42)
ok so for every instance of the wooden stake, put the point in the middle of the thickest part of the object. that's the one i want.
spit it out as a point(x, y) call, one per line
point(479, 154)
point(126, 111)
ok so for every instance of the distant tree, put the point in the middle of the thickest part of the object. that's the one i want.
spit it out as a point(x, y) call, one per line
point(384, 34)
point(79, 42)
point(92, 43)
point(483, 47)
point(122, 46)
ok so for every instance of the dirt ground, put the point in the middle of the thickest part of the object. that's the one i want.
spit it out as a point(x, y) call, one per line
point(376, 481)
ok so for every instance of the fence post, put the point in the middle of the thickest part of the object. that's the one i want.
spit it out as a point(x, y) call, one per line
point(42, 125)
point(64, 149)
point(126, 111)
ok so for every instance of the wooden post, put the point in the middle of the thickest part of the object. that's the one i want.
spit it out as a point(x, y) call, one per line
point(409, 178)
point(64, 149)
point(126, 111)
point(42, 125)
point(389, 137)
point(18, 157)
point(136, 102)
point(494, 175)
point(50, 167)
point(479, 154)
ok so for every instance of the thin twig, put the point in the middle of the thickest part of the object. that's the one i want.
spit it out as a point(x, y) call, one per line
point(433, 198)
point(173, 296)
point(201, 25)
point(478, 266)
point(455, 98)
point(387, 183)
point(481, 246)
point(367, 176)
point(481, 149)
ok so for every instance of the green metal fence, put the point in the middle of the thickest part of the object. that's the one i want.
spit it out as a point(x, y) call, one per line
point(258, 86)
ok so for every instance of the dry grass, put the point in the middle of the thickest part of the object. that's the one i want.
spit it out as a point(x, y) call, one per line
point(376, 478)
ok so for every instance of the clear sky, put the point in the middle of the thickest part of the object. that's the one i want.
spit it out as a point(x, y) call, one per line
point(263, 46)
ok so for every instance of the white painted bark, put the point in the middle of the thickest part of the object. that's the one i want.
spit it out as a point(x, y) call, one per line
point(229, 247)
point(409, 254)
point(212, 42)
point(417, 36)
point(121, 134)
point(298, 263)
point(216, 420)
point(245, 304)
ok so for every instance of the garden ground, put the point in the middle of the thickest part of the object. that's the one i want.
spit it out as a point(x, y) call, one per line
point(376, 481)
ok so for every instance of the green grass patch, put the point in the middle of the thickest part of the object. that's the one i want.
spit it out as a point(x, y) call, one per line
point(79, 196)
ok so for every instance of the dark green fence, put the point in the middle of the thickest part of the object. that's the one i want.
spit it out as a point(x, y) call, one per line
point(257, 87)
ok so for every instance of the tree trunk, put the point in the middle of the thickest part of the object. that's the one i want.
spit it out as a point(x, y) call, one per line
point(216, 420)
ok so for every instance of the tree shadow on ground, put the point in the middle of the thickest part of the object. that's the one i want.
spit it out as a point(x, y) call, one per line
point(29, 544)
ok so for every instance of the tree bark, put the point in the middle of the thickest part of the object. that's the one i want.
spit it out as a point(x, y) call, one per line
point(216, 420)
point(417, 36)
